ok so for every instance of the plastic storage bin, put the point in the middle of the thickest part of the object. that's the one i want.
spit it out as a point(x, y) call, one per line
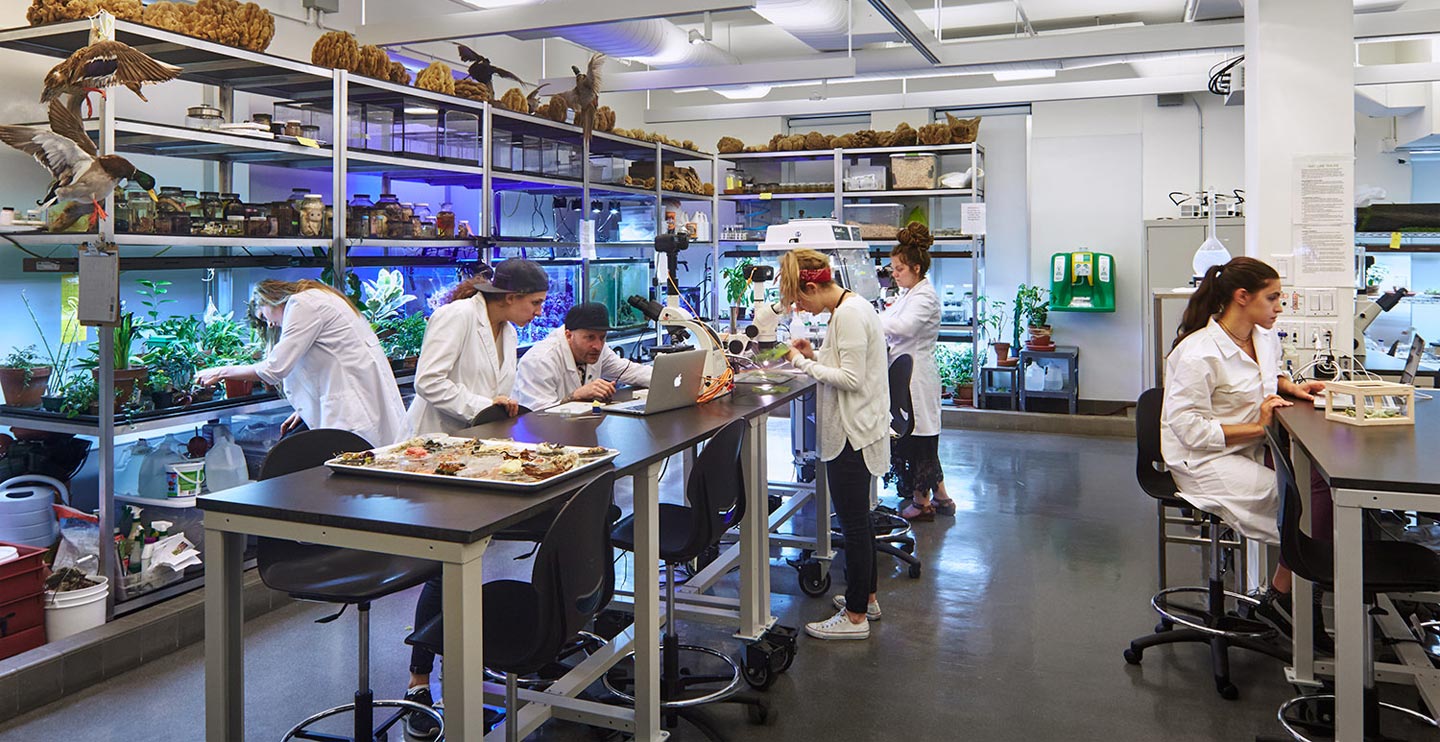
point(914, 171)
point(876, 221)
point(866, 178)
point(460, 137)
point(420, 130)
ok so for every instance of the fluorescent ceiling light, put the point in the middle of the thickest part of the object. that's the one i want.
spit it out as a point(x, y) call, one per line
point(1012, 75)
point(743, 92)
point(487, 4)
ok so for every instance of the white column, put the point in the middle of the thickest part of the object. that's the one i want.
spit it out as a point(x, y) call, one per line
point(1300, 103)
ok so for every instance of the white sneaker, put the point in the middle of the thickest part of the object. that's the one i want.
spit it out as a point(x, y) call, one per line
point(872, 609)
point(838, 626)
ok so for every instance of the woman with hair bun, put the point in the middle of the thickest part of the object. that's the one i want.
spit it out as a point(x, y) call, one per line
point(912, 327)
point(1223, 381)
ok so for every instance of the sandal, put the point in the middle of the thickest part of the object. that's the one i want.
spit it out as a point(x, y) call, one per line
point(915, 512)
point(944, 507)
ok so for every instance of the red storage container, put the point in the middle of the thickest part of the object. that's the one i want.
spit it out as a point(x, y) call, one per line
point(24, 575)
point(20, 615)
point(22, 642)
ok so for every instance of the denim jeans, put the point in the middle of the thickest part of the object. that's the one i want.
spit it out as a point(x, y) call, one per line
point(422, 660)
point(849, 481)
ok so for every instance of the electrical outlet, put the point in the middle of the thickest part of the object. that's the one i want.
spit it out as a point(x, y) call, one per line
point(1299, 304)
point(1321, 334)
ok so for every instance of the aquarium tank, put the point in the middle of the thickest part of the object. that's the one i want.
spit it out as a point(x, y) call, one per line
point(564, 293)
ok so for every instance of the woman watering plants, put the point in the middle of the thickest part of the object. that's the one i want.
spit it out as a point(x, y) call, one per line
point(328, 362)
point(912, 326)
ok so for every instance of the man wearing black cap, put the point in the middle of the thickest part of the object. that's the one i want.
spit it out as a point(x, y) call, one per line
point(573, 364)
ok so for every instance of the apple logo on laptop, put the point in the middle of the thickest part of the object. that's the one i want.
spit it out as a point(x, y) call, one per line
point(679, 379)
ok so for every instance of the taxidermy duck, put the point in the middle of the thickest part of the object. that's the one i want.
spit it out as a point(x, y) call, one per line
point(481, 70)
point(101, 65)
point(584, 98)
point(80, 172)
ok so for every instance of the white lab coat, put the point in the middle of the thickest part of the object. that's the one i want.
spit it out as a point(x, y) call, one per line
point(547, 374)
point(459, 372)
point(853, 398)
point(912, 326)
point(331, 367)
point(1210, 382)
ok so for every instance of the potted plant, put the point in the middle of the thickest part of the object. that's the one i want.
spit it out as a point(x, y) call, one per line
point(384, 297)
point(82, 396)
point(1032, 305)
point(129, 368)
point(991, 322)
point(1375, 274)
point(737, 284)
point(957, 373)
point(23, 377)
point(401, 339)
point(171, 361)
point(59, 359)
point(223, 341)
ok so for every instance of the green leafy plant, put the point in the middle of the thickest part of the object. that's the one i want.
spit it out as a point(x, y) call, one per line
point(152, 297)
point(384, 297)
point(222, 340)
point(126, 332)
point(736, 282)
point(349, 283)
point(1032, 307)
point(991, 319)
point(81, 393)
point(171, 363)
point(26, 359)
point(402, 337)
point(60, 359)
point(957, 367)
point(1376, 273)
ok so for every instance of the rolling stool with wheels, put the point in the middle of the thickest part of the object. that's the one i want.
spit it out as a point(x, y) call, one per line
point(1390, 567)
point(716, 493)
point(1212, 623)
point(571, 579)
point(329, 574)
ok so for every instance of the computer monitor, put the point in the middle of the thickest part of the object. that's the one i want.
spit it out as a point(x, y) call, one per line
point(1412, 364)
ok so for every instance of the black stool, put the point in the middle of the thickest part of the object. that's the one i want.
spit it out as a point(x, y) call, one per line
point(328, 574)
point(571, 579)
point(892, 532)
point(1390, 567)
point(1211, 623)
point(716, 493)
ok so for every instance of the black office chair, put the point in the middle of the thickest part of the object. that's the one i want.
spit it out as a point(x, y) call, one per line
point(1212, 623)
point(716, 496)
point(893, 533)
point(1155, 481)
point(1390, 567)
point(571, 579)
point(496, 413)
point(328, 574)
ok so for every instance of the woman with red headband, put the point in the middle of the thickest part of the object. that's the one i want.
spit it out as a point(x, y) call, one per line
point(853, 407)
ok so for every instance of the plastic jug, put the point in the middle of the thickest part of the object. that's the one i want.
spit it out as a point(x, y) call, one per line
point(127, 478)
point(702, 226)
point(225, 462)
point(152, 473)
point(1054, 378)
point(1035, 378)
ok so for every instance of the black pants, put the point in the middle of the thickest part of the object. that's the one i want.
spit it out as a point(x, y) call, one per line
point(422, 661)
point(849, 483)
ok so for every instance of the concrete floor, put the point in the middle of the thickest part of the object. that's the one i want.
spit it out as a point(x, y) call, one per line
point(1014, 632)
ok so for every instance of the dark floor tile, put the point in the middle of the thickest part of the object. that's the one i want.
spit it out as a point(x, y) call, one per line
point(9, 696)
point(82, 668)
point(40, 684)
point(123, 653)
point(159, 638)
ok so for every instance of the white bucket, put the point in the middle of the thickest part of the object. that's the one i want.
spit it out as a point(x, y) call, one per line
point(74, 611)
point(184, 479)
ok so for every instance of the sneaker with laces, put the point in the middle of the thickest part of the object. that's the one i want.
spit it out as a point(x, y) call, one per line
point(872, 609)
point(417, 725)
point(838, 626)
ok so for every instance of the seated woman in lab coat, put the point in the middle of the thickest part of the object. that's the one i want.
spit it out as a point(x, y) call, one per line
point(573, 364)
point(467, 363)
point(912, 326)
point(467, 360)
point(328, 362)
point(1223, 381)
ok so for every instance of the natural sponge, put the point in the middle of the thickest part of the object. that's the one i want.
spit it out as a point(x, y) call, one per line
point(374, 62)
point(436, 78)
point(605, 119)
point(336, 49)
point(514, 100)
point(473, 90)
point(729, 146)
point(398, 74)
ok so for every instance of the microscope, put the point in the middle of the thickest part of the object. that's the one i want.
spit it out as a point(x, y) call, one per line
point(760, 333)
point(679, 323)
point(1367, 310)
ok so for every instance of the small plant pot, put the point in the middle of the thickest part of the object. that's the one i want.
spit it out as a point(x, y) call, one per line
point(1040, 338)
point(235, 389)
point(126, 380)
point(18, 393)
point(965, 395)
point(52, 404)
point(1002, 353)
point(163, 400)
point(202, 394)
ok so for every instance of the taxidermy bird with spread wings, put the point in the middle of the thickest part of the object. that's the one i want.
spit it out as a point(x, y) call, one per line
point(532, 101)
point(584, 98)
point(481, 70)
point(80, 172)
point(102, 65)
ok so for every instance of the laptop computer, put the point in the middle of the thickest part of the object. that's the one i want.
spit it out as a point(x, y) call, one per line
point(674, 383)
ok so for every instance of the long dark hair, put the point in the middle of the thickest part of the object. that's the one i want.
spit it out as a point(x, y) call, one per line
point(913, 247)
point(1216, 289)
